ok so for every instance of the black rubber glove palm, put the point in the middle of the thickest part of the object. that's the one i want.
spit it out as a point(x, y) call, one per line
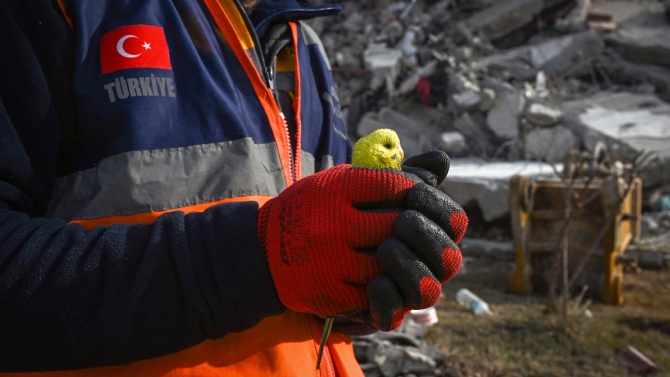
point(422, 253)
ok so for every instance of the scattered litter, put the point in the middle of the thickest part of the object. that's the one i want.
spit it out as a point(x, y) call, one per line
point(470, 300)
point(634, 360)
point(426, 317)
point(662, 204)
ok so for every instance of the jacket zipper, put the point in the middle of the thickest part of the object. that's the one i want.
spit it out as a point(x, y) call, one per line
point(272, 70)
point(268, 77)
point(268, 74)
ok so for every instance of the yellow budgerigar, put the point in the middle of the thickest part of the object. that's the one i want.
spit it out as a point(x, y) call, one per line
point(380, 149)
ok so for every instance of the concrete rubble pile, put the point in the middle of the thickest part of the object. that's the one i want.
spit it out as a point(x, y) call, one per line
point(404, 352)
point(507, 86)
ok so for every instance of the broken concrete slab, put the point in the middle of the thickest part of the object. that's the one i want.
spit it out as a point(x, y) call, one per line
point(346, 57)
point(503, 17)
point(408, 42)
point(478, 135)
point(503, 118)
point(418, 112)
point(567, 55)
point(644, 39)
point(465, 101)
point(622, 10)
point(472, 181)
point(355, 22)
point(623, 72)
point(382, 60)
point(454, 144)
point(543, 115)
point(638, 120)
point(550, 144)
point(368, 123)
point(394, 360)
point(466, 125)
point(488, 99)
point(562, 54)
point(630, 122)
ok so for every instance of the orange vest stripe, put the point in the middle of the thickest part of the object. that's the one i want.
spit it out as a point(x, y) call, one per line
point(296, 101)
point(150, 217)
point(280, 346)
point(61, 5)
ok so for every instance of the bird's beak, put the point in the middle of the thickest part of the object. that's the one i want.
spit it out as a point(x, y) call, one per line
point(402, 153)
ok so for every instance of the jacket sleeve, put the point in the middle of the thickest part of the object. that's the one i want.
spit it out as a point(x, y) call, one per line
point(72, 298)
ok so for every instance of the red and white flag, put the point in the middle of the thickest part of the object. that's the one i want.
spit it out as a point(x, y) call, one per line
point(137, 46)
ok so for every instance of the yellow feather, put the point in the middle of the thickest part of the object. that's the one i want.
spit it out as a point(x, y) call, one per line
point(379, 150)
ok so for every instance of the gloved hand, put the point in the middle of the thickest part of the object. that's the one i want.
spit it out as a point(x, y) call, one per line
point(323, 234)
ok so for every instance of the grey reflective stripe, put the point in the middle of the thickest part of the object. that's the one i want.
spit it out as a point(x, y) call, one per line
point(309, 163)
point(157, 180)
point(311, 37)
point(326, 162)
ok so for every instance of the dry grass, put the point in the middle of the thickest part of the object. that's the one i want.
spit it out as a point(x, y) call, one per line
point(521, 341)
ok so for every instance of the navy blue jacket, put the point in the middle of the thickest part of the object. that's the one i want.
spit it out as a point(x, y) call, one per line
point(75, 298)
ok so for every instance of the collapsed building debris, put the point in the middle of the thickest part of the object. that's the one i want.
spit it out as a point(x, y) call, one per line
point(550, 144)
point(509, 87)
point(515, 81)
point(644, 39)
point(566, 55)
point(510, 23)
point(543, 116)
point(474, 181)
point(503, 118)
point(398, 353)
point(630, 123)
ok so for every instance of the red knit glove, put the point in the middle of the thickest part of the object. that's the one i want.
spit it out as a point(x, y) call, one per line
point(423, 249)
point(323, 234)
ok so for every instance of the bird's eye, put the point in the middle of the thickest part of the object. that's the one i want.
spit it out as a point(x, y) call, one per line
point(388, 146)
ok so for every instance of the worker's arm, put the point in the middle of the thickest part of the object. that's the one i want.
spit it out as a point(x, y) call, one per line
point(71, 298)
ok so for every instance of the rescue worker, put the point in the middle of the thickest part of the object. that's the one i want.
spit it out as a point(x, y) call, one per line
point(159, 211)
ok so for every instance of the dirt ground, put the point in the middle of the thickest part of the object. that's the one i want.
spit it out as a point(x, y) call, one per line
point(519, 340)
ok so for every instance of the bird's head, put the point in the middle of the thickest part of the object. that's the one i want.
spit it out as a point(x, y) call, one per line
point(378, 150)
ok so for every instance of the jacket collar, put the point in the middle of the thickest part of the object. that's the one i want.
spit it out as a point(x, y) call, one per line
point(269, 11)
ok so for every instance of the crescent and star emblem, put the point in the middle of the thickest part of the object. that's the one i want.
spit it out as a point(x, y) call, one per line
point(124, 53)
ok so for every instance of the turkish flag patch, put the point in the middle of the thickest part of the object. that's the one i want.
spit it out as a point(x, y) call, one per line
point(136, 46)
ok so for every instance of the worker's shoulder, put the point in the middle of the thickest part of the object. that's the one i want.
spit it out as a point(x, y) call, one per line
point(308, 33)
point(312, 38)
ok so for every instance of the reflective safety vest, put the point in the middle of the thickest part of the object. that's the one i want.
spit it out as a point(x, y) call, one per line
point(284, 345)
point(178, 112)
